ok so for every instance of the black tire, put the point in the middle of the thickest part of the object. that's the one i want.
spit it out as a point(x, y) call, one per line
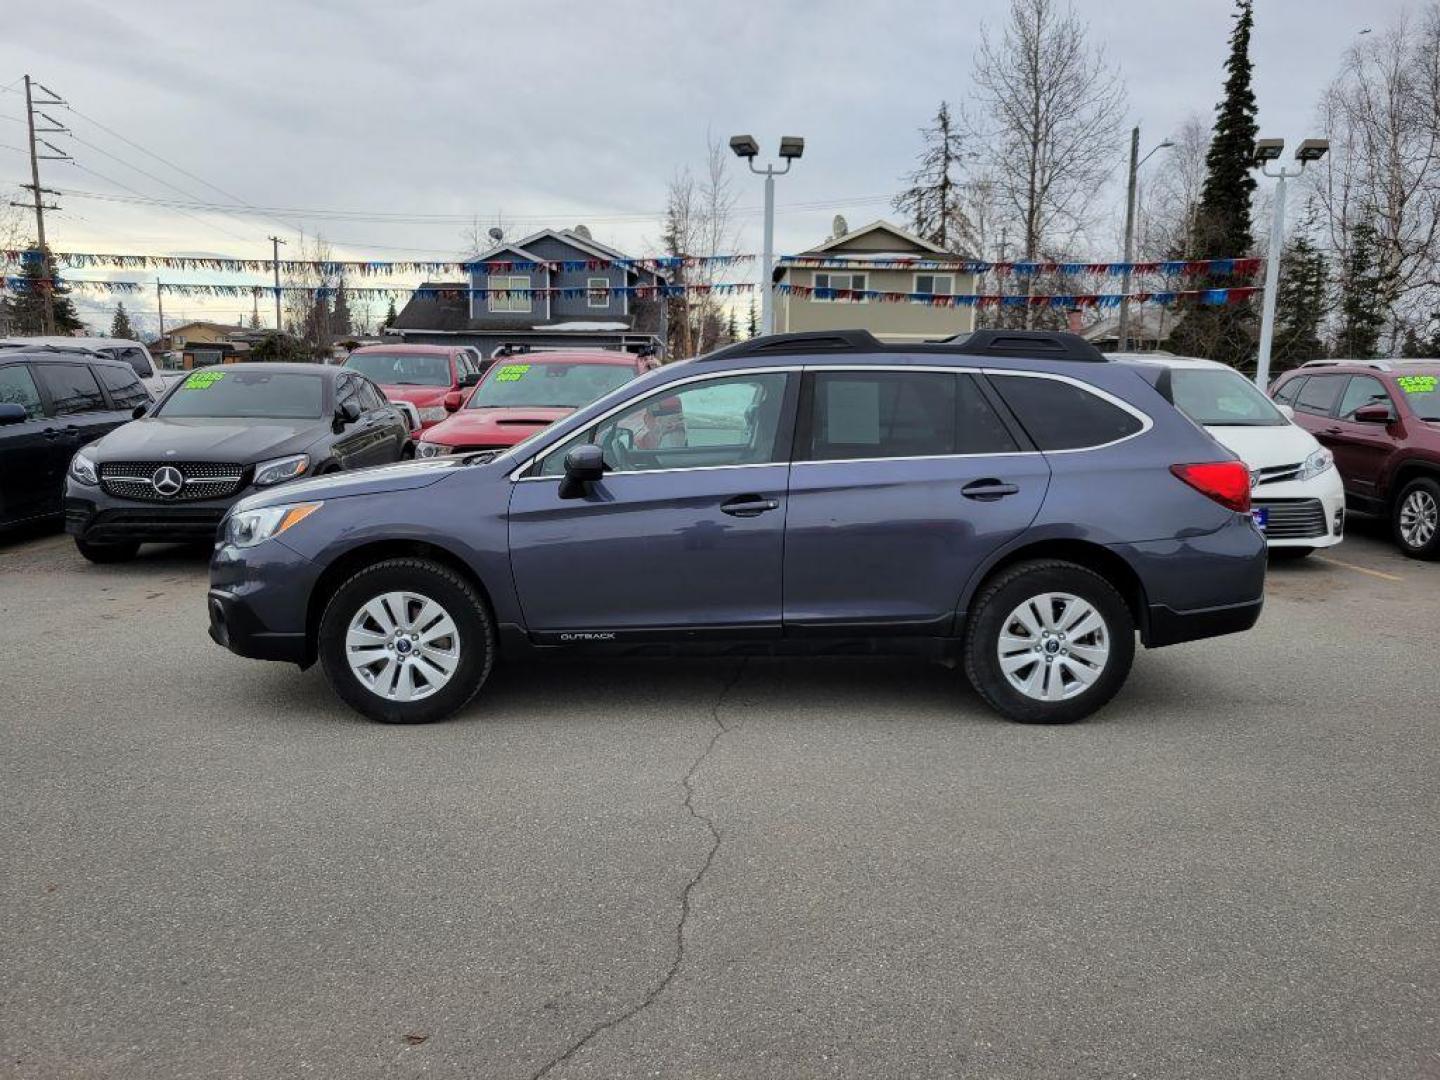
point(462, 602)
point(1426, 492)
point(121, 551)
point(1290, 554)
point(1003, 594)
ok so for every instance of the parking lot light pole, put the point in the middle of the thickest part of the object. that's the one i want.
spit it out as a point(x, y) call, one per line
point(1136, 161)
point(791, 147)
point(1266, 151)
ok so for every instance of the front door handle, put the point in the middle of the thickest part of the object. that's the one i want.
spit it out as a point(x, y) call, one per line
point(1334, 431)
point(988, 490)
point(749, 506)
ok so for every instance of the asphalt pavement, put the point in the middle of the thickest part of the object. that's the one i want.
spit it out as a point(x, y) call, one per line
point(718, 869)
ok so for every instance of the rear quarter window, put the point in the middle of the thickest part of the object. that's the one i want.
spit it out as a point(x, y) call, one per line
point(1062, 416)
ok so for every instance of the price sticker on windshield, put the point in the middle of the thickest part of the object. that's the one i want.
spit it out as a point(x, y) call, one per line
point(1418, 384)
point(512, 372)
point(203, 380)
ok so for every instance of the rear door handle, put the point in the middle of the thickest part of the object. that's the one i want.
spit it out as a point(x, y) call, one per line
point(749, 506)
point(1334, 431)
point(988, 490)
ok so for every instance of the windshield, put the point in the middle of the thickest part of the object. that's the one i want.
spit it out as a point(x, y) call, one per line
point(402, 369)
point(548, 385)
point(275, 395)
point(1423, 394)
point(1222, 399)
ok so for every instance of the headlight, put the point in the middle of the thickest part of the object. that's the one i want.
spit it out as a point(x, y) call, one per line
point(435, 412)
point(82, 469)
point(1315, 464)
point(285, 468)
point(250, 527)
point(433, 449)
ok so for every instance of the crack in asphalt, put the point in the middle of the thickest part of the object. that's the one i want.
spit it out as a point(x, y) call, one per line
point(688, 782)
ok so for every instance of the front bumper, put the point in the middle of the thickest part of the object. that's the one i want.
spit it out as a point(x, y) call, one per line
point(259, 601)
point(1303, 513)
point(93, 515)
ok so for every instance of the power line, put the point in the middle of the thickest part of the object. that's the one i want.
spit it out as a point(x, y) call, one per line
point(127, 187)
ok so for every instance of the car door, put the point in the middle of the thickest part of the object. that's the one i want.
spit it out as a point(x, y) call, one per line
point(28, 486)
point(685, 533)
point(349, 444)
point(904, 480)
point(1360, 450)
point(78, 409)
point(1315, 408)
point(388, 427)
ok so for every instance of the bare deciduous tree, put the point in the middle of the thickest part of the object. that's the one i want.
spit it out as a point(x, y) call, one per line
point(699, 221)
point(1168, 205)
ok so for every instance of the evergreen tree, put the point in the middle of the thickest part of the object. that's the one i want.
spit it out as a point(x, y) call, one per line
point(1300, 302)
point(28, 307)
point(1362, 311)
point(932, 202)
point(752, 325)
point(732, 330)
point(120, 325)
point(340, 315)
point(389, 316)
point(1222, 221)
point(254, 320)
point(7, 314)
point(1411, 347)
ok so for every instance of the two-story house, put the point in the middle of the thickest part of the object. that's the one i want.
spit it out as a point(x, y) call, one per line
point(506, 301)
point(877, 257)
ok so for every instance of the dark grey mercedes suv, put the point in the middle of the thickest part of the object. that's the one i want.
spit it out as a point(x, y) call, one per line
point(1011, 499)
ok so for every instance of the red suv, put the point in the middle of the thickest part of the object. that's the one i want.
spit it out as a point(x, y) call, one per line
point(423, 375)
point(1381, 418)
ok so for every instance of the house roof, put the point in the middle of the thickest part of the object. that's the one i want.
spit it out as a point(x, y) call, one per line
point(443, 311)
point(222, 327)
point(514, 249)
point(593, 247)
point(874, 226)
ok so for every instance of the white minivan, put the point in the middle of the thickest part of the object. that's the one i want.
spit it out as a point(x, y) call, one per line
point(1296, 493)
point(126, 351)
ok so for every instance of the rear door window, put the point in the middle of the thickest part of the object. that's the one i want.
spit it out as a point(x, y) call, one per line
point(1287, 392)
point(137, 359)
point(1060, 415)
point(1319, 394)
point(72, 388)
point(126, 389)
point(17, 387)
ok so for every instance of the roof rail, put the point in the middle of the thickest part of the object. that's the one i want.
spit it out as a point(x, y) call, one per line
point(1039, 344)
point(1378, 365)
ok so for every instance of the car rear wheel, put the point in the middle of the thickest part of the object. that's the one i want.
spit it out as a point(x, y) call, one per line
point(1416, 519)
point(1049, 642)
point(406, 641)
point(121, 551)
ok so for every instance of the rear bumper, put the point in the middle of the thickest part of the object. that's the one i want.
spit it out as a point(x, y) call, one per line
point(1166, 626)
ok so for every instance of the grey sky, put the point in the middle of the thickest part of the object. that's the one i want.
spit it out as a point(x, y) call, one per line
point(561, 112)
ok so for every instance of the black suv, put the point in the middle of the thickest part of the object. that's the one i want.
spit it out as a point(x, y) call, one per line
point(52, 402)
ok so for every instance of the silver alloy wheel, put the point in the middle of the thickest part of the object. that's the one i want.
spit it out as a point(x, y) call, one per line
point(402, 646)
point(1419, 518)
point(1053, 646)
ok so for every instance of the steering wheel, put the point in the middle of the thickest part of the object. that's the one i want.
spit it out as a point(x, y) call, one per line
point(617, 446)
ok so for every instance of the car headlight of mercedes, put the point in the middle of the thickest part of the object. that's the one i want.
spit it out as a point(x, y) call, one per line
point(432, 449)
point(82, 470)
point(1315, 464)
point(281, 469)
point(433, 413)
point(250, 527)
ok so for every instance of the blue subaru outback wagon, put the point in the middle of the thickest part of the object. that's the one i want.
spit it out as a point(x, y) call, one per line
point(1008, 498)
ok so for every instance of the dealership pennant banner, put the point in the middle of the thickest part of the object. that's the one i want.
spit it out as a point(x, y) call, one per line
point(1053, 300)
point(1173, 267)
point(383, 292)
point(367, 268)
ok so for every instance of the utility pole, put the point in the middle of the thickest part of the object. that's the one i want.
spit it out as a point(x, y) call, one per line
point(1123, 344)
point(160, 304)
point(47, 267)
point(275, 243)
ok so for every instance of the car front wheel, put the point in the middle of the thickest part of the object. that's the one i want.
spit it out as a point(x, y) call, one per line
point(406, 641)
point(1416, 519)
point(1049, 642)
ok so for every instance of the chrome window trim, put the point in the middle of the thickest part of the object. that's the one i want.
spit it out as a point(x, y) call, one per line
point(1146, 422)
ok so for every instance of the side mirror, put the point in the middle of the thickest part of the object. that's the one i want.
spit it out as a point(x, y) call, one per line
point(469, 380)
point(348, 412)
point(139, 411)
point(453, 400)
point(583, 465)
point(10, 413)
point(1286, 411)
point(1373, 414)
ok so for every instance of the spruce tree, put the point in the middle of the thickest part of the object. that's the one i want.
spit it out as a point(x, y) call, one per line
point(1300, 301)
point(389, 316)
point(28, 307)
point(1222, 220)
point(120, 325)
point(752, 325)
point(340, 313)
point(931, 204)
point(1362, 313)
point(732, 330)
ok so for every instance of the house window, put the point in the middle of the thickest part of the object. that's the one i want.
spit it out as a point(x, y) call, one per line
point(599, 292)
point(839, 281)
point(935, 285)
point(502, 298)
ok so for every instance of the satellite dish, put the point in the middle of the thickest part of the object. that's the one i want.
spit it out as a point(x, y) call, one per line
point(839, 227)
point(581, 231)
point(496, 233)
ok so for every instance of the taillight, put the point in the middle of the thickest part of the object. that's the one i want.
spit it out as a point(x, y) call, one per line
point(1227, 482)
